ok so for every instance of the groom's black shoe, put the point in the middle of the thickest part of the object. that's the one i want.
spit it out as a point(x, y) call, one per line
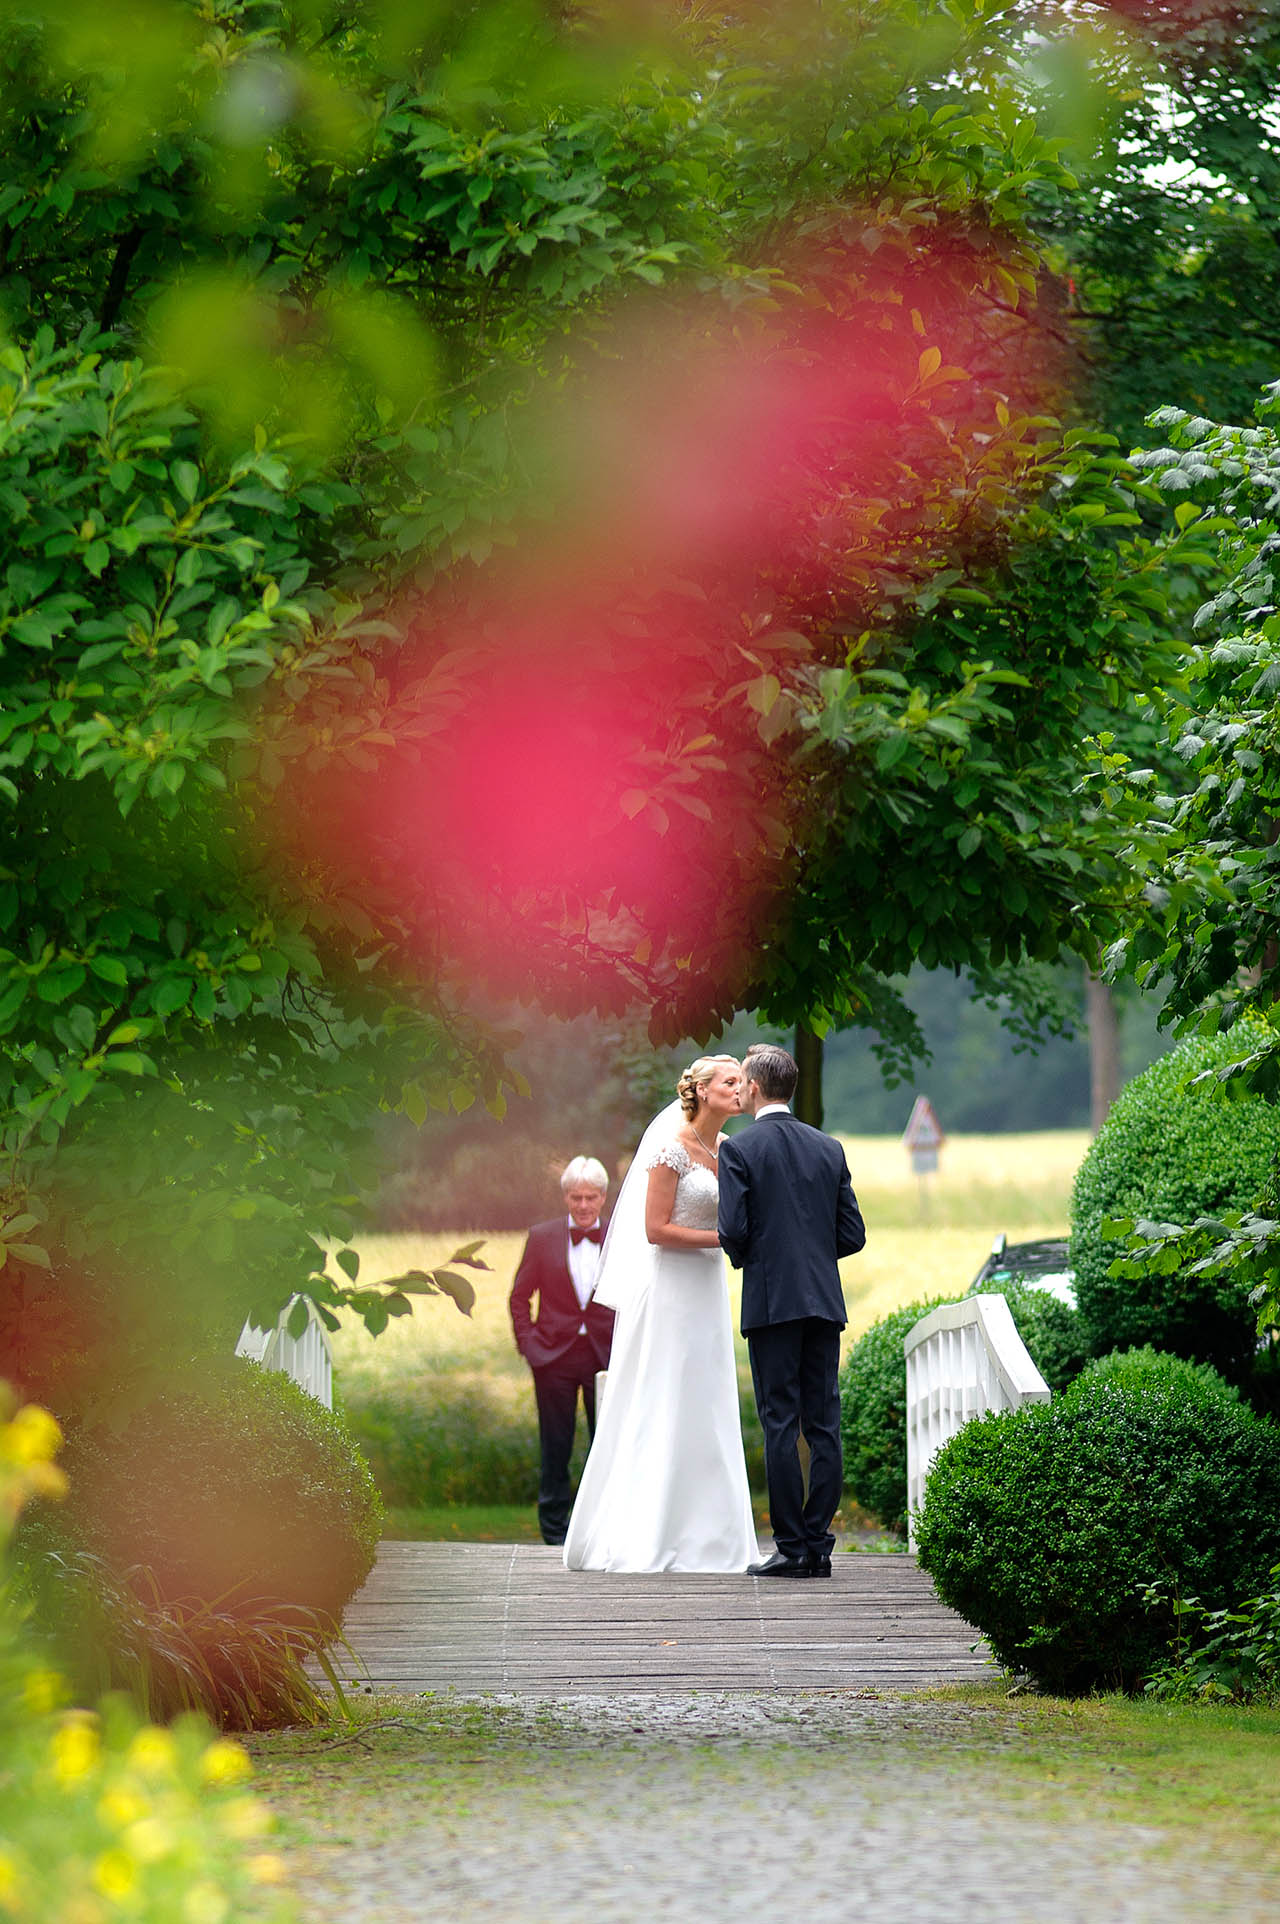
point(779, 1566)
point(819, 1566)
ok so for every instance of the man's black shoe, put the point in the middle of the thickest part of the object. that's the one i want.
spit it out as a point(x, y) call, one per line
point(819, 1566)
point(779, 1566)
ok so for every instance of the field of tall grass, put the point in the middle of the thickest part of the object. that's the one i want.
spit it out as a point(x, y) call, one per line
point(443, 1404)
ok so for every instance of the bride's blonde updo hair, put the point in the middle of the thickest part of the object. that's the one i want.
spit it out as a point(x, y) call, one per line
point(699, 1071)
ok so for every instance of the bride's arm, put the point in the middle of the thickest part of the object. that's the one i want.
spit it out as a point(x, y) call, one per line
point(660, 1200)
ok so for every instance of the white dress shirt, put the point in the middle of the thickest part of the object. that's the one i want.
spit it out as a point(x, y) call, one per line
point(772, 1108)
point(584, 1262)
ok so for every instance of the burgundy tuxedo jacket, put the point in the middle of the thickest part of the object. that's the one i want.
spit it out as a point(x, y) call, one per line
point(544, 1273)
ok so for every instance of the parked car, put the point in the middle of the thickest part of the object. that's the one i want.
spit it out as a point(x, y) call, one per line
point(1041, 1265)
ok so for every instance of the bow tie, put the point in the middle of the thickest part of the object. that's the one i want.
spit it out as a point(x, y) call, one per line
point(577, 1235)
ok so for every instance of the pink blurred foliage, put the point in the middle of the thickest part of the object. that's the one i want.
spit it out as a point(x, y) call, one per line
point(592, 797)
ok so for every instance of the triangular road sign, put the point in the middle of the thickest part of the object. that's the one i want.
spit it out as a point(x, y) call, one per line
point(923, 1131)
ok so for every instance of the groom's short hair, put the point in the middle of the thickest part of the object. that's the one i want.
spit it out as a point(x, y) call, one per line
point(773, 1071)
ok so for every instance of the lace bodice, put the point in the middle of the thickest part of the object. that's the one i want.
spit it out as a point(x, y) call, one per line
point(697, 1192)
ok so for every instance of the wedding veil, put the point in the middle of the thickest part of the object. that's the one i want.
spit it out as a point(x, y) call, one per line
point(628, 1259)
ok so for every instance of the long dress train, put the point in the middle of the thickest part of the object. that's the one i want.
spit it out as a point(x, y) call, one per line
point(665, 1483)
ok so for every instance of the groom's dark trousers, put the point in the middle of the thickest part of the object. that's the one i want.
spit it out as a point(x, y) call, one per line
point(787, 1214)
point(564, 1358)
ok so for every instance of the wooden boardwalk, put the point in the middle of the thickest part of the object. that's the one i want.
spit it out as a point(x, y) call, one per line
point(510, 1617)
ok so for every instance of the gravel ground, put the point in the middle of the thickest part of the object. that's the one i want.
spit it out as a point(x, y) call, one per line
point(696, 1807)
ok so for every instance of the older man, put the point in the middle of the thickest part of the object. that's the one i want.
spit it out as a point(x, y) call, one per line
point(569, 1339)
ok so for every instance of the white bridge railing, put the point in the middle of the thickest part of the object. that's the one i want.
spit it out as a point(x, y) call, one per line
point(308, 1358)
point(962, 1359)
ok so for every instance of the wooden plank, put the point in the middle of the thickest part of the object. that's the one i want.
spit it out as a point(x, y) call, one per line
point(484, 1617)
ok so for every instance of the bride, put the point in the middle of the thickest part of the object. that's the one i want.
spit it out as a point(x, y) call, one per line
point(665, 1483)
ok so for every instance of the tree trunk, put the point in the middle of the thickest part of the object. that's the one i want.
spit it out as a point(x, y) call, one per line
point(808, 1099)
point(1104, 1048)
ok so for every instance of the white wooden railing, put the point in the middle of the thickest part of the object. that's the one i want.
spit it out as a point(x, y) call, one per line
point(308, 1358)
point(962, 1359)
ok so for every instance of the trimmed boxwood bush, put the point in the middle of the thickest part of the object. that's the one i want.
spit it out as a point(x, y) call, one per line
point(873, 1389)
point(1146, 1369)
point(873, 1415)
point(1043, 1526)
point(1170, 1154)
point(236, 1484)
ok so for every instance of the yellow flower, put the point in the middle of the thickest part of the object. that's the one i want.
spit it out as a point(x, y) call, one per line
point(267, 1868)
point(153, 1752)
point(225, 1763)
point(75, 1748)
point(10, 1883)
point(115, 1875)
point(42, 1691)
point(205, 1904)
point(32, 1437)
point(122, 1805)
point(245, 1818)
point(47, 1480)
point(149, 1840)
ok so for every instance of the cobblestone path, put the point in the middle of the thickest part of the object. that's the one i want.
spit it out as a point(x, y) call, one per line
point(696, 1807)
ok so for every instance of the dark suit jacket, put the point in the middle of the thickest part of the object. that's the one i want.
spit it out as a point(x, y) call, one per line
point(787, 1211)
point(544, 1273)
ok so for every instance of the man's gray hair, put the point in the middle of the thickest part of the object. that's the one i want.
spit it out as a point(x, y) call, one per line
point(772, 1070)
point(587, 1171)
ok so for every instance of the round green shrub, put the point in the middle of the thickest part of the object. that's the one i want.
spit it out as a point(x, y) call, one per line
point(873, 1415)
point(1170, 1154)
point(1144, 1370)
point(237, 1486)
point(873, 1389)
point(1043, 1526)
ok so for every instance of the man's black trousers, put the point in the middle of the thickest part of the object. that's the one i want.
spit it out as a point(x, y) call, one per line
point(557, 1386)
point(794, 1367)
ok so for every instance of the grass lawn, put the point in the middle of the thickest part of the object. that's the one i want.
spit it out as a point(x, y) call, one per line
point(518, 1523)
point(916, 1246)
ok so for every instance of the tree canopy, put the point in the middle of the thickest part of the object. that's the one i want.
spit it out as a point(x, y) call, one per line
point(558, 502)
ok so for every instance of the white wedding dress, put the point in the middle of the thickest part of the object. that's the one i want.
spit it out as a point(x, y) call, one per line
point(665, 1483)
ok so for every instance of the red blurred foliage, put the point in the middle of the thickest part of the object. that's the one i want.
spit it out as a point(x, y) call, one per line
point(577, 781)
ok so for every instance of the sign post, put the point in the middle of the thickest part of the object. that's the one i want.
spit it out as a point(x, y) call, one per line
point(922, 1138)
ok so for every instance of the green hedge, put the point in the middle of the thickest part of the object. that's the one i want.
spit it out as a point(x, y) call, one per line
point(443, 1442)
point(233, 1485)
point(1147, 1369)
point(1170, 1154)
point(1042, 1526)
point(873, 1414)
point(873, 1389)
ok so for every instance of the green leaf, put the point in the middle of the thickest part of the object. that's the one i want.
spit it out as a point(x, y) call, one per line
point(172, 993)
point(109, 968)
point(462, 1292)
point(891, 749)
point(349, 1262)
point(30, 1253)
point(129, 1063)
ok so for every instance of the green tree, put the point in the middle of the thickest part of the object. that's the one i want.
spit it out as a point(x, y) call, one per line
point(1205, 903)
point(191, 1054)
point(364, 535)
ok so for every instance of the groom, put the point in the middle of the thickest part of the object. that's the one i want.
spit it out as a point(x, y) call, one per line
point(787, 1212)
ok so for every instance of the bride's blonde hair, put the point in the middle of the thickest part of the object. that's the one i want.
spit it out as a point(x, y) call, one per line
point(699, 1071)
